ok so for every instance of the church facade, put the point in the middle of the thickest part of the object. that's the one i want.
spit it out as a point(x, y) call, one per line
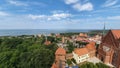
point(109, 49)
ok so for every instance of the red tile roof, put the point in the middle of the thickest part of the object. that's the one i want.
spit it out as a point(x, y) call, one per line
point(83, 35)
point(81, 51)
point(54, 65)
point(91, 46)
point(60, 51)
point(47, 43)
point(116, 33)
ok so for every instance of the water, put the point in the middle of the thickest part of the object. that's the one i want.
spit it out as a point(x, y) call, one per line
point(16, 32)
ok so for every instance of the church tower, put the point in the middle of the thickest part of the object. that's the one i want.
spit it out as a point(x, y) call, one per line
point(103, 33)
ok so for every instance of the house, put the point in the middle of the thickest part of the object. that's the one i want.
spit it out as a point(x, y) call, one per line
point(83, 35)
point(69, 56)
point(109, 49)
point(92, 49)
point(47, 42)
point(60, 58)
point(82, 54)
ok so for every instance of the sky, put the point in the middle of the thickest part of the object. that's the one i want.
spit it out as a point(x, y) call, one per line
point(59, 14)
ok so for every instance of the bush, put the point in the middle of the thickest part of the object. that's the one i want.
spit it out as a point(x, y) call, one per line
point(73, 60)
point(69, 62)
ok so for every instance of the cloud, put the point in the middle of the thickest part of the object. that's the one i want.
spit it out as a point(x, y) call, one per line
point(3, 13)
point(109, 3)
point(17, 3)
point(71, 1)
point(116, 6)
point(80, 5)
point(50, 17)
point(37, 16)
point(114, 17)
point(59, 11)
point(85, 7)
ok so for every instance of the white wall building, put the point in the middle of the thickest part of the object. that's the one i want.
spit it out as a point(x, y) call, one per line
point(80, 55)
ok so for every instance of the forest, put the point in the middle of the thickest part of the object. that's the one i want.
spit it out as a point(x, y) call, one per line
point(26, 52)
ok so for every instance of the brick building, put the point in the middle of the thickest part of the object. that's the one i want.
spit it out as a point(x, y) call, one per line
point(60, 58)
point(109, 49)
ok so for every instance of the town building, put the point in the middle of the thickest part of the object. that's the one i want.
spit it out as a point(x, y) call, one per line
point(109, 49)
point(69, 56)
point(82, 54)
point(60, 58)
point(91, 49)
point(47, 42)
point(83, 35)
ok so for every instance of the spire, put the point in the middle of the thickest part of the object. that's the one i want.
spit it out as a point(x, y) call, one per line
point(103, 30)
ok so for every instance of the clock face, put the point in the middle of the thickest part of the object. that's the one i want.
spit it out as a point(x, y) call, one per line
point(105, 48)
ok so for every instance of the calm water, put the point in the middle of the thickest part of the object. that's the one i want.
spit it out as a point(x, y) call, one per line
point(15, 32)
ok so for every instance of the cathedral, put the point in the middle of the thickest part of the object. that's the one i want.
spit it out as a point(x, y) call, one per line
point(109, 49)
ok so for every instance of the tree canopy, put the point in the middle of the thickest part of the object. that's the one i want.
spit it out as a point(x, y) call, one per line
point(26, 52)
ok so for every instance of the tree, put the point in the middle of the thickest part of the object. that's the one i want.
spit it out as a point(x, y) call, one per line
point(91, 65)
point(24, 52)
point(70, 47)
point(40, 59)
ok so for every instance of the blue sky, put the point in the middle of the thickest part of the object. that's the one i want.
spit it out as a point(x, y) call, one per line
point(59, 14)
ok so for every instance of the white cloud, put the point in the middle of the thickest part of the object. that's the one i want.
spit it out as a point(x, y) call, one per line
point(3, 13)
point(62, 15)
point(80, 5)
point(50, 17)
point(17, 3)
point(109, 3)
point(58, 11)
point(85, 7)
point(71, 1)
point(37, 16)
point(114, 18)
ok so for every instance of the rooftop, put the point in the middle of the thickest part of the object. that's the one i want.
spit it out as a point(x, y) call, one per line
point(91, 46)
point(81, 51)
point(60, 51)
point(116, 33)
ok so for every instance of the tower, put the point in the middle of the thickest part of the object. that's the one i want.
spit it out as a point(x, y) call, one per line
point(60, 58)
point(103, 29)
point(63, 39)
point(45, 37)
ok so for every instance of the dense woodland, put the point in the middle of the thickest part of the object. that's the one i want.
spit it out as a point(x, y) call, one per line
point(26, 52)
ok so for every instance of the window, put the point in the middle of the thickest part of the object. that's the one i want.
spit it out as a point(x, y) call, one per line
point(105, 48)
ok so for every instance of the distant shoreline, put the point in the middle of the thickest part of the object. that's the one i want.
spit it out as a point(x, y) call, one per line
point(17, 32)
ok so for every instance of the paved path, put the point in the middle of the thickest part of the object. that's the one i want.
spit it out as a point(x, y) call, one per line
point(94, 60)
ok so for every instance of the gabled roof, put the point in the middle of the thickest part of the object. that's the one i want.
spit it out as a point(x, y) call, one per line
point(111, 39)
point(60, 51)
point(47, 43)
point(91, 46)
point(81, 51)
point(116, 33)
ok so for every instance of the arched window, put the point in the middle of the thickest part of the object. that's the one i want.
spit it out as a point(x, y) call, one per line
point(102, 59)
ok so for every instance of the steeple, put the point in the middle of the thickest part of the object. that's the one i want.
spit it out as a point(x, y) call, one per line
point(103, 30)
